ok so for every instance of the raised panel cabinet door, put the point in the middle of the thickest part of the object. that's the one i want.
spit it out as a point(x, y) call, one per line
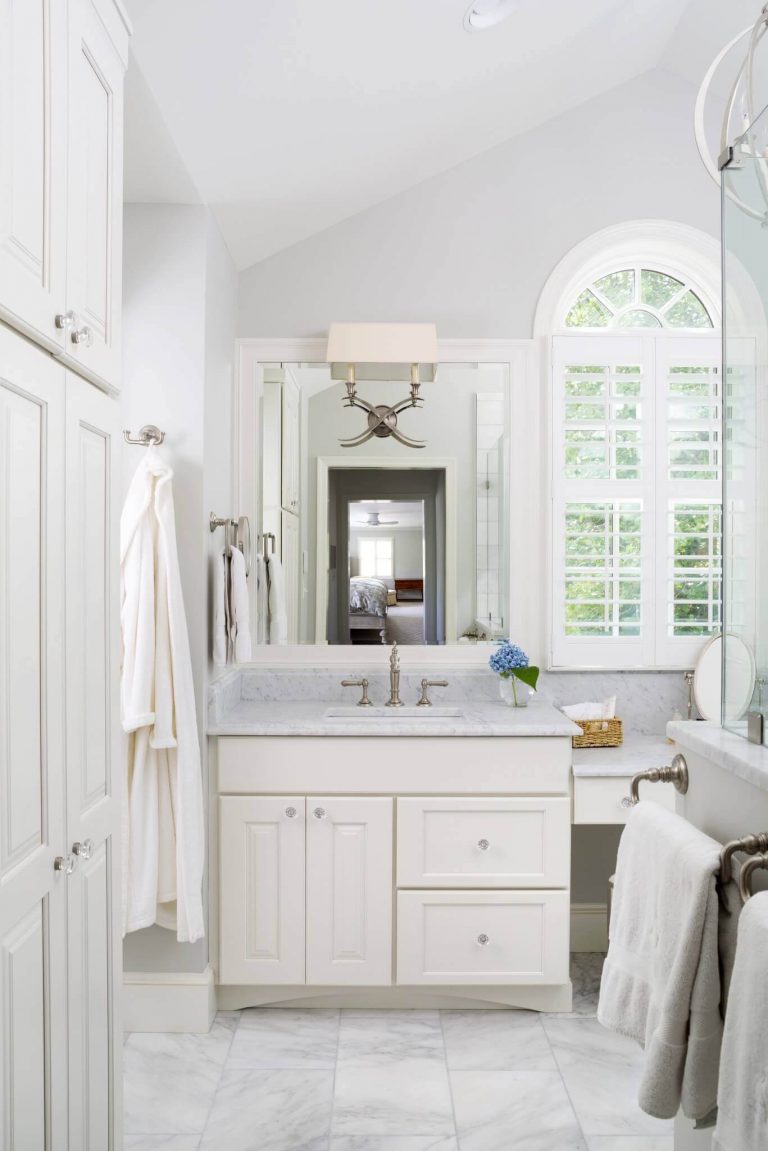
point(94, 750)
point(482, 937)
point(95, 196)
point(349, 891)
point(291, 555)
point(33, 894)
point(488, 842)
point(261, 889)
point(33, 170)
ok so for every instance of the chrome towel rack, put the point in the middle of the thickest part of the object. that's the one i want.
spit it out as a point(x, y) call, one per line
point(237, 533)
point(757, 863)
point(676, 774)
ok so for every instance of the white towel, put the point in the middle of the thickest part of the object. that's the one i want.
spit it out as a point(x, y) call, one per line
point(163, 827)
point(261, 623)
point(742, 1097)
point(278, 619)
point(606, 709)
point(220, 610)
point(239, 600)
point(661, 979)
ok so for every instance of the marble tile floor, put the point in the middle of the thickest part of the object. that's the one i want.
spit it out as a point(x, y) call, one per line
point(285, 1080)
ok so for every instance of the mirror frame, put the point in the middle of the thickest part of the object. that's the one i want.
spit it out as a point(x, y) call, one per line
point(527, 478)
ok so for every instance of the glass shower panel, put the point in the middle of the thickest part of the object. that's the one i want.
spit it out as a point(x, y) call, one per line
point(745, 494)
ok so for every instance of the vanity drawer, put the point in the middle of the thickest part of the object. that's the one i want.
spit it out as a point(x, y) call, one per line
point(490, 842)
point(597, 799)
point(496, 937)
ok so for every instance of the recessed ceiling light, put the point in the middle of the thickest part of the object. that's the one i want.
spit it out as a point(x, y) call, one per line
point(483, 14)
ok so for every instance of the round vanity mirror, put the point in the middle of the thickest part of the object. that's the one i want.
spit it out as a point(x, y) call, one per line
point(708, 677)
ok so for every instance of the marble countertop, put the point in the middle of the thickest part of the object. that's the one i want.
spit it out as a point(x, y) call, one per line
point(637, 753)
point(734, 753)
point(308, 718)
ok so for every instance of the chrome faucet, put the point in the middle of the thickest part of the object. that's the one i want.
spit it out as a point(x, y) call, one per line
point(394, 679)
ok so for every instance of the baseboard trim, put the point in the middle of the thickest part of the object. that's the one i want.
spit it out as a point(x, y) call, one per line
point(169, 1001)
point(589, 927)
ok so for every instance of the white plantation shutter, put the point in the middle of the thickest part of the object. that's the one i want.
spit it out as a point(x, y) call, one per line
point(636, 468)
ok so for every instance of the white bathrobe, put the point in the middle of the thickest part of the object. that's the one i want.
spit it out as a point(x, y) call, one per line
point(163, 826)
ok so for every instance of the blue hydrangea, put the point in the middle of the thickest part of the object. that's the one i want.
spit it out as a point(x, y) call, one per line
point(507, 657)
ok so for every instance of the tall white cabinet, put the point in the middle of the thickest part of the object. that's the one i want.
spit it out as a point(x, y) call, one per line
point(61, 108)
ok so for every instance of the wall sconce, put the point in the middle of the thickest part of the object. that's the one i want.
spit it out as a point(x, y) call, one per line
point(390, 352)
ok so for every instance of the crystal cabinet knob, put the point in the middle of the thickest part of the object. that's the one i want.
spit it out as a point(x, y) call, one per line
point(83, 336)
point(83, 850)
point(64, 320)
point(627, 802)
point(65, 863)
point(483, 844)
point(483, 939)
point(319, 813)
point(291, 812)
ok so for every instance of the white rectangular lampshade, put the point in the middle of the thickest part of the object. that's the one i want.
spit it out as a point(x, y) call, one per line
point(382, 351)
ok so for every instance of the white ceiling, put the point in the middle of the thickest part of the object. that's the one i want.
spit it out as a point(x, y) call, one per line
point(291, 115)
point(408, 513)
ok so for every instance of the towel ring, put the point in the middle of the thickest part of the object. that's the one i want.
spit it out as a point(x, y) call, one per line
point(756, 863)
point(676, 774)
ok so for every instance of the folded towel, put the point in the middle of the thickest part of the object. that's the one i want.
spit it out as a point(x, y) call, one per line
point(278, 619)
point(661, 979)
point(742, 1121)
point(239, 599)
point(604, 710)
point(220, 613)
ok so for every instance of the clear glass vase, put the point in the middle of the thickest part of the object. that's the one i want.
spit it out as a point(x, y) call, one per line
point(513, 692)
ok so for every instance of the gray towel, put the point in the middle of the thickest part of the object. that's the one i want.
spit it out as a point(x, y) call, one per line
point(742, 1122)
point(661, 979)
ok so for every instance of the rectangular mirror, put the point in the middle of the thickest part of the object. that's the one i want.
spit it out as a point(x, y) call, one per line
point(382, 541)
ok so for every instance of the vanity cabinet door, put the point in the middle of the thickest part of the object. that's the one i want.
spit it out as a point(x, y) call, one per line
point(261, 887)
point(349, 891)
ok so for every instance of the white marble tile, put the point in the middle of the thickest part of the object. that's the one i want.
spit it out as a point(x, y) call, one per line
point(602, 1072)
point(170, 1080)
point(496, 1040)
point(631, 1143)
point(270, 1111)
point(285, 1039)
point(410, 1097)
point(514, 1111)
point(378, 1038)
point(394, 1143)
point(161, 1142)
point(586, 972)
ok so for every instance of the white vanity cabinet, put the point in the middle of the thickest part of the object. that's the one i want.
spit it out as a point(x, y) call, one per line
point(416, 863)
point(61, 136)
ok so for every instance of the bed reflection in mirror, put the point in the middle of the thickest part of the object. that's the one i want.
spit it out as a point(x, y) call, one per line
point(383, 542)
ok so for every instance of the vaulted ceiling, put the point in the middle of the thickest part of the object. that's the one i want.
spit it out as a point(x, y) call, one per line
point(287, 116)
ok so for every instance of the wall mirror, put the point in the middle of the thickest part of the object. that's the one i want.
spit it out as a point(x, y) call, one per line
point(382, 541)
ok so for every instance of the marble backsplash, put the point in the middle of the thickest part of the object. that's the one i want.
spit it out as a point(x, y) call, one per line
point(645, 701)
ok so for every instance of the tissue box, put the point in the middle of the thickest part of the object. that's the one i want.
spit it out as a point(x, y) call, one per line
point(599, 733)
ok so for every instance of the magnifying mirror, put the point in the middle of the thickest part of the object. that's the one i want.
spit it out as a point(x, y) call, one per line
point(708, 677)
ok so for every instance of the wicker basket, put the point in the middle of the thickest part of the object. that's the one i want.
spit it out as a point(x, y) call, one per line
point(599, 733)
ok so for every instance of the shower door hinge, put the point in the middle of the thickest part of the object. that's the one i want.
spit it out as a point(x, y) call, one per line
point(726, 159)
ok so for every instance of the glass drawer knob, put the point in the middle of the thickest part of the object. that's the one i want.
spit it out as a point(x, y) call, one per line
point(483, 939)
point(291, 812)
point(627, 802)
point(484, 844)
point(319, 813)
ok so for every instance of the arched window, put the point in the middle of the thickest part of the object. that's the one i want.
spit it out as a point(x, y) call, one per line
point(638, 297)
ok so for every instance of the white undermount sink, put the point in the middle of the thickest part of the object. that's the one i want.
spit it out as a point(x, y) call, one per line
point(384, 713)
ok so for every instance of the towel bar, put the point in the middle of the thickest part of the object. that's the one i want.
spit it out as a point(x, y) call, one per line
point(757, 863)
point(266, 550)
point(676, 774)
point(237, 533)
point(749, 845)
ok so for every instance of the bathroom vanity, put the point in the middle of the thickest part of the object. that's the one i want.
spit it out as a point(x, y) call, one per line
point(428, 864)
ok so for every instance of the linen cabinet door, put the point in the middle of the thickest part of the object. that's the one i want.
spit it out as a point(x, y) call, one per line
point(94, 749)
point(349, 891)
point(261, 889)
point(95, 196)
point(33, 893)
point(33, 171)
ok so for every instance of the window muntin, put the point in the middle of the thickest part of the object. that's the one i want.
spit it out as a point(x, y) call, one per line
point(376, 556)
point(638, 297)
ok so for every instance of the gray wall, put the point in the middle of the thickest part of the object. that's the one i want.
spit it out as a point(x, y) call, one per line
point(472, 248)
point(180, 291)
